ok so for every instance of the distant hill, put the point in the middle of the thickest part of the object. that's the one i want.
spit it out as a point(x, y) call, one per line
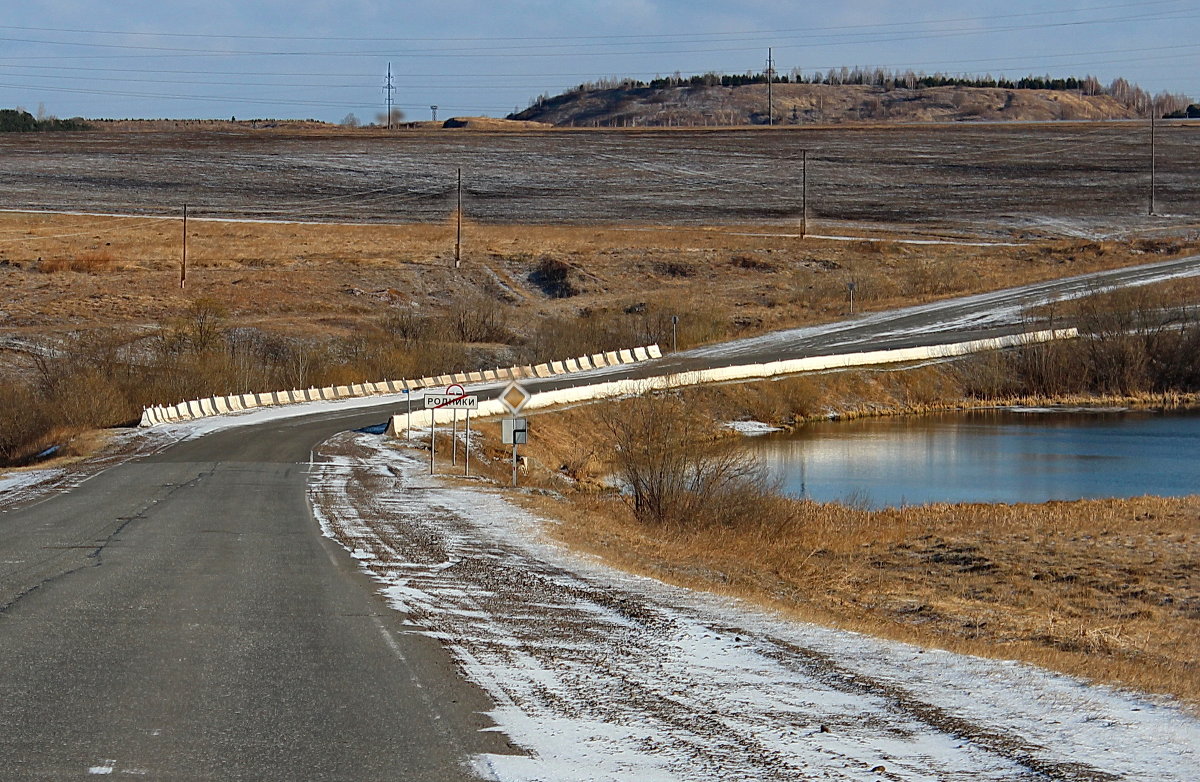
point(801, 104)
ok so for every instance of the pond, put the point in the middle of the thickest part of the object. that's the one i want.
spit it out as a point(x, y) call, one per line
point(1013, 455)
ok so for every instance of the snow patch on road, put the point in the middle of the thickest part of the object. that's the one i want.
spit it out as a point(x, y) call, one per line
point(602, 675)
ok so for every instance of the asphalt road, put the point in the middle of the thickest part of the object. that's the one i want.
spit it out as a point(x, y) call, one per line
point(180, 616)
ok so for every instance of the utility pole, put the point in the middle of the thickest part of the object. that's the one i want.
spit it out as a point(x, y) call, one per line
point(458, 227)
point(1152, 161)
point(388, 90)
point(183, 262)
point(803, 193)
point(433, 110)
point(770, 83)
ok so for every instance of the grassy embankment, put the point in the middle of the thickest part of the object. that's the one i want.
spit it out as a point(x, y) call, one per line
point(1105, 589)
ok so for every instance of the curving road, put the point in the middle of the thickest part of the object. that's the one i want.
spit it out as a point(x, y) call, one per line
point(181, 617)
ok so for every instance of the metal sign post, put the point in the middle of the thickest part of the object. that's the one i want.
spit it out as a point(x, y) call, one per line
point(456, 398)
point(514, 430)
point(408, 424)
point(467, 448)
point(454, 437)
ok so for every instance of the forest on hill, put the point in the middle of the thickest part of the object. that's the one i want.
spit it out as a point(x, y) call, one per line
point(846, 94)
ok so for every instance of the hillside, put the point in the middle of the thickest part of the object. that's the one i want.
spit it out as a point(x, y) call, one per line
point(801, 104)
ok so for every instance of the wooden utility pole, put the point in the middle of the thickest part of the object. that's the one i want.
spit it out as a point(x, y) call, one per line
point(183, 261)
point(1152, 156)
point(803, 193)
point(458, 226)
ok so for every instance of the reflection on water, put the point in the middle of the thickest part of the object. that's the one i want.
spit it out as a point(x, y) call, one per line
point(989, 456)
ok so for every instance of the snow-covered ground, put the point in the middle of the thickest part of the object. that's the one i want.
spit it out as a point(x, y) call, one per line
point(601, 675)
point(751, 428)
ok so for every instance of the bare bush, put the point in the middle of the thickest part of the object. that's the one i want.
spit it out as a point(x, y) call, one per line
point(478, 319)
point(554, 278)
point(676, 470)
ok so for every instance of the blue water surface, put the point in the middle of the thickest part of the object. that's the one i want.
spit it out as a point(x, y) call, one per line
point(989, 456)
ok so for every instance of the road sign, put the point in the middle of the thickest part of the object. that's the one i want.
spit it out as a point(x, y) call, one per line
point(455, 398)
point(514, 397)
point(440, 401)
point(514, 431)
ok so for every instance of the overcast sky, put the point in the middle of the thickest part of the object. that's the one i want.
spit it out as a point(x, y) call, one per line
point(327, 58)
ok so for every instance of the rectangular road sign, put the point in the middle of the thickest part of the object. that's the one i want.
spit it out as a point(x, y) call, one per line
point(514, 431)
point(451, 401)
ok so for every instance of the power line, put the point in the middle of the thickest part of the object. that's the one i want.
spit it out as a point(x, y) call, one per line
point(699, 37)
point(562, 49)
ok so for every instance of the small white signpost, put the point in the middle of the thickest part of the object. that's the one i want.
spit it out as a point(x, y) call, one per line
point(515, 430)
point(456, 398)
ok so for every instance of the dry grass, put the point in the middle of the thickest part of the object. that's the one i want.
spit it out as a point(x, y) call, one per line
point(1104, 589)
point(322, 279)
point(87, 262)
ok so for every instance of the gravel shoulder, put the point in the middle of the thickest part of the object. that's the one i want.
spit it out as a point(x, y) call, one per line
point(603, 675)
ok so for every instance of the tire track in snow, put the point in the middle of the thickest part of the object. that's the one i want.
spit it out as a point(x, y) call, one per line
point(601, 675)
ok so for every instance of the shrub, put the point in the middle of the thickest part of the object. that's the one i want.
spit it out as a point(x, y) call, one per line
point(675, 468)
point(554, 278)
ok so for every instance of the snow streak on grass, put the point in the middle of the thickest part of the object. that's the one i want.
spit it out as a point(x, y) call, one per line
point(601, 675)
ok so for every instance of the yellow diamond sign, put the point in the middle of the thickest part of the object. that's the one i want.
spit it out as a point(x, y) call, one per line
point(514, 397)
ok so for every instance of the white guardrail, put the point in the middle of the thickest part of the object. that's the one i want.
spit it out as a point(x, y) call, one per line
point(221, 405)
point(616, 388)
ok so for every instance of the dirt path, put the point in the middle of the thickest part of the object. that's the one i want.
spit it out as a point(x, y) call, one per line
point(602, 675)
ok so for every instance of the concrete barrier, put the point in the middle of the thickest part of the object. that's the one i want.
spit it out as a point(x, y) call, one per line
point(618, 388)
point(236, 403)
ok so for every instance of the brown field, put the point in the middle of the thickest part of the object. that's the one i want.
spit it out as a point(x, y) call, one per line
point(62, 272)
point(1003, 180)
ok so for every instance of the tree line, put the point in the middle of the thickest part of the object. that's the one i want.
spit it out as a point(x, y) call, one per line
point(1123, 91)
point(18, 121)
